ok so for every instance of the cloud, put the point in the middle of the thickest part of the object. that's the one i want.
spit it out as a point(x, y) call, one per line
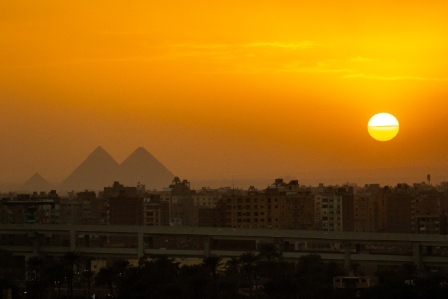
point(361, 59)
point(302, 45)
point(392, 78)
point(201, 46)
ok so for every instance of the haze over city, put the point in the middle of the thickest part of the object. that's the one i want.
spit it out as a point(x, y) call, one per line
point(225, 91)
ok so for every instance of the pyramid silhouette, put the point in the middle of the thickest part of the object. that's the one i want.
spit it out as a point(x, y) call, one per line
point(36, 183)
point(143, 167)
point(95, 172)
point(100, 170)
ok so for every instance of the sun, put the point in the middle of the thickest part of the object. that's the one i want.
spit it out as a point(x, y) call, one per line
point(383, 126)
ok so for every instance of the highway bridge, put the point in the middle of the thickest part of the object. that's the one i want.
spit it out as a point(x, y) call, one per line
point(429, 250)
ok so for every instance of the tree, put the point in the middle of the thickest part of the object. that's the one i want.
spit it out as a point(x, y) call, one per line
point(33, 264)
point(119, 269)
point(36, 287)
point(121, 266)
point(72, 258)
point(233, 266)
point(268, 251)
point(163, 271)
point(6, 260)
point(248, 262)
point(87, 278)
point(55, 272)
point(231, 279)
point(105, 277)
point(213, 266)
point(193, 281)
point(311, 277)
point(7, 271)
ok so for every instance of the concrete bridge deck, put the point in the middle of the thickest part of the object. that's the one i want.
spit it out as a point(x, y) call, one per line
point(348, 240)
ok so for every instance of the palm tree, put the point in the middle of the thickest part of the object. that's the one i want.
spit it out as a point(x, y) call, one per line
point(87, 277)
point(163, 271)
point(233, 266)
point(105, 277)
point(5, 260)
point(213, 265)
point(248, 262)
point(33, 264)
point(55, 272)
point(120, 266)
point(268, 251)
point(6, 265)
point(72, 258)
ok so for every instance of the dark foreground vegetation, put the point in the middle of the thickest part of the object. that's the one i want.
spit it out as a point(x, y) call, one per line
point(251, 275)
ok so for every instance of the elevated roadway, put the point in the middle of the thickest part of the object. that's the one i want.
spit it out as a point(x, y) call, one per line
point(349, 242)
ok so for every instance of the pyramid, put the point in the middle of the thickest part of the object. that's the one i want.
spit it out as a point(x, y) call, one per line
point(36, 183)
point(94, 173)
point(143, 167)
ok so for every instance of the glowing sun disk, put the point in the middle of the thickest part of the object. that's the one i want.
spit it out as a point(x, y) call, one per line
point(383, 126)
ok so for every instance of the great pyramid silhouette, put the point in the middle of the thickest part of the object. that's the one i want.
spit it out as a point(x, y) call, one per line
point(96, 171)
point(100, 170)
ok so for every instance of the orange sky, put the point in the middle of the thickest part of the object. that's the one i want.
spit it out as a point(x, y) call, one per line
point(259, 89)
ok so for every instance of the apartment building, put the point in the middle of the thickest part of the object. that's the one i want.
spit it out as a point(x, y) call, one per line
point(334, 208)
point(155, 211)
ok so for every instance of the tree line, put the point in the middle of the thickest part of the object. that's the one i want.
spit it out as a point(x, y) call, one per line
point(262, 275)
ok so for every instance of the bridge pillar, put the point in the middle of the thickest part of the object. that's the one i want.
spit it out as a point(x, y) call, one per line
point(35, 240)
point(206, 246)
point(141, 251)
point(72, 240)
point(347, 260)
point(417, 255)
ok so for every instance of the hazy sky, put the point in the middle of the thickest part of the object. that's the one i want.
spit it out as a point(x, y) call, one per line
point(220, 88)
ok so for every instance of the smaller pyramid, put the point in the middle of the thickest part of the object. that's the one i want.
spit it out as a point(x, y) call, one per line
point(36, 183)
point(96, 171)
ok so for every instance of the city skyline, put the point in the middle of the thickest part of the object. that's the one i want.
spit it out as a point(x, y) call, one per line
point(251, 91)
point(99, 169)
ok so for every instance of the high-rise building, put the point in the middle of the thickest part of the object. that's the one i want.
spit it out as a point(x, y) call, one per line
point(155, 211)
point(334, 208)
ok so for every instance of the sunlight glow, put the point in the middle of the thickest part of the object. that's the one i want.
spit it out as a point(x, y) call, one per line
point(383, 126)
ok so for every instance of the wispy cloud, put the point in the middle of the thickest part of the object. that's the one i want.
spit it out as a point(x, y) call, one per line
point(300, 45)
point(201, 46)
point(361, 59)
point(392, 78)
